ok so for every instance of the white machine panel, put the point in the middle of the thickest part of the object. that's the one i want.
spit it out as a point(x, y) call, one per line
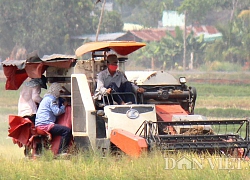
point(128, 117)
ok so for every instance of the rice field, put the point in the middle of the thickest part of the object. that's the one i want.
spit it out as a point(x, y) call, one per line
point(153, 165)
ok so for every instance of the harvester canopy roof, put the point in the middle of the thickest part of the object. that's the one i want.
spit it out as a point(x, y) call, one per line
point(17, 71)
point(120, 47)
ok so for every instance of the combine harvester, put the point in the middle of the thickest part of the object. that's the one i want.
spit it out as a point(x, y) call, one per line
point(162, 118)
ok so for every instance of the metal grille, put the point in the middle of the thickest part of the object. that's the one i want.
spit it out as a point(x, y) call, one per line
point(209, 135)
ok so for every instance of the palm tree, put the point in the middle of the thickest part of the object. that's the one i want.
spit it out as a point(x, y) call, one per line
point(244, 17)
point(195, 46)
point(172, 47)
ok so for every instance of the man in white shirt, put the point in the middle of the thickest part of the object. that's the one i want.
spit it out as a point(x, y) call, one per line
point(113, 79)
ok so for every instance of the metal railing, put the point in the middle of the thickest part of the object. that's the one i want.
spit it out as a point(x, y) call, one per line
point(222, 135)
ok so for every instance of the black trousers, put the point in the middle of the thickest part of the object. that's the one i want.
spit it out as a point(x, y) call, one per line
point(31, 117)
point(124, 87)
point(65, 133)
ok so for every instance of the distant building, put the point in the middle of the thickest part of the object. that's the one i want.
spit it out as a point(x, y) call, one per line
point(172, 19)
point(101, 37)
point(145, 35)
point(132, 35)
point(210, 32)
point(131, 26)
point(149, 35)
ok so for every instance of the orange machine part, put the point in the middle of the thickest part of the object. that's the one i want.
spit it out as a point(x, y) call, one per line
point(121, 47)
point(129, 143)
point(20, 129)
point(167, 111)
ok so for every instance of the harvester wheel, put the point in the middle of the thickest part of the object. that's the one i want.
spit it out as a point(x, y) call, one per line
point(115, 151)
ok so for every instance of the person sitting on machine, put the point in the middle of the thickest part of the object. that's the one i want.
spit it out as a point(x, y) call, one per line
point(48, 111)
point(30, 98)
point(113, 80)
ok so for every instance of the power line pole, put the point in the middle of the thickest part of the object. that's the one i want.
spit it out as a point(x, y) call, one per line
point(184, 41)
point(100, 20)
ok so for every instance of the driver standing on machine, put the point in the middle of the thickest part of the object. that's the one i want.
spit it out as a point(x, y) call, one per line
point(112, 79)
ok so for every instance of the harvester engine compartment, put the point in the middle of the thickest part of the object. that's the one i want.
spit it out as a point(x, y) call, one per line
point(162, 88)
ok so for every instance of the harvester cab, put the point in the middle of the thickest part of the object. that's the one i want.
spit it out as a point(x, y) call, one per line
point(162, 116)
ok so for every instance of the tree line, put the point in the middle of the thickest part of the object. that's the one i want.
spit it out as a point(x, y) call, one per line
point(230, 17)
point(48, 26)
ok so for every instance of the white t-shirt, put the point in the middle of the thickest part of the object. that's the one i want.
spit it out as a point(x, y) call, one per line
point(29, 96)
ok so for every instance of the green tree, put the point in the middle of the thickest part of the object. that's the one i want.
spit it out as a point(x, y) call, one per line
point(234, 45)
point(147, 56)
point(111, 22)
point(195, 47)
point(172, 48)
point(43, 25)
point(146, 12)
point(48, 26)
point(196, 10)
point(168, 53)
point(244, 32)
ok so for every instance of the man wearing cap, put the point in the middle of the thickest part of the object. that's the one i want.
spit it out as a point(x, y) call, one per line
point(112, 79)
point(30, 97)
point(47, 113)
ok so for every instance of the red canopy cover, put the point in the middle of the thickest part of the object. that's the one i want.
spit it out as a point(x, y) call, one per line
point(16, 71)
